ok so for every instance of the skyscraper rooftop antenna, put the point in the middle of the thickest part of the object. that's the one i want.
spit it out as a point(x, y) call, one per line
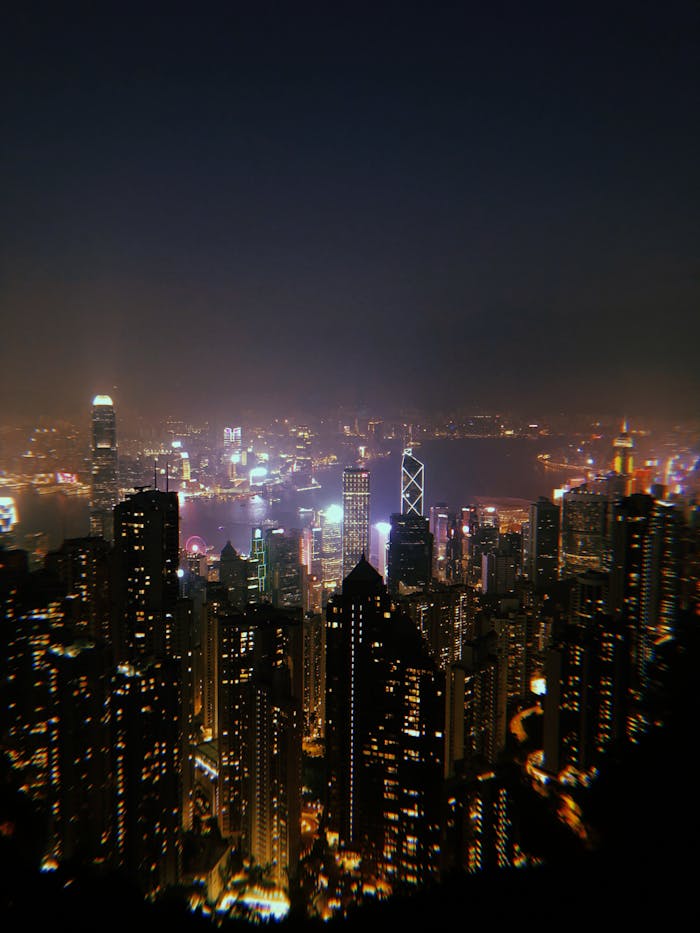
point(155, 474)
point(166, 475)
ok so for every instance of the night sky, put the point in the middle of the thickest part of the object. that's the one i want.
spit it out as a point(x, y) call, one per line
point(207, 207)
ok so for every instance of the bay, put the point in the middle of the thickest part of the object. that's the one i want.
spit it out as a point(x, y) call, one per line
point(457, 472)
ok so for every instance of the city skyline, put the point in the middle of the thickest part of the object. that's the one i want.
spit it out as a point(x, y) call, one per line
point(349, 463)
point(268, 735)
point(199, 211)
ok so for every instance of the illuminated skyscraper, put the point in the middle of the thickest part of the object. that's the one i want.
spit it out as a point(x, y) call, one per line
point(104, 493)
point(385, 710)
point(147, 742)
point(439, 528)
point(332, 546)
point(285, 573)
point(79, 751)
point(355, 517)
point(146, 588)
point(379, 540)
point(585, 529)
point(412, 484)
point(259, 736)
point(623, 458)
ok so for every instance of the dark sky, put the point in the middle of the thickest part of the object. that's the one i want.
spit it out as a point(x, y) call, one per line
point(210, 206)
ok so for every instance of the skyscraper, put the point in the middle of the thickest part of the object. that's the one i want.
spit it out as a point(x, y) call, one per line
point(146, 529)
point(623, 458)
point(104, 493)
point(439, 528)
point(147, 742)
point(332, 546)
point(543, 551)
point(355, 517)
point(412, 484)
point(585, 525)
point(384, 732)
point(260, 685)
point(285, 573)
point(410, 555)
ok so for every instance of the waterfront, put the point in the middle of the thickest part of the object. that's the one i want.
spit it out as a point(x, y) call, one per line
point(456, 472)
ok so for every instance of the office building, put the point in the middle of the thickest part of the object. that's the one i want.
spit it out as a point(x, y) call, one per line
point(623, 456)
point(379, 542)
point(410, 553)
point(543, 543)
point(285, 572)
point(355, 517)
point(412, 484)
point(585, 529)
point(439, 528)
point(104, 488)
point(332, 547)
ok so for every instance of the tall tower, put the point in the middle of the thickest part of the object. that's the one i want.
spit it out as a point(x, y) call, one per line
point(355, 517)
point(146, 588)
point(410, 553)
point(384, 732)
point(543, 552)
point(439, 528)
point(147, 743)
point(412, 484)
point(332, 546)
point(104, 493)
point(260, 735)
point(623, 445)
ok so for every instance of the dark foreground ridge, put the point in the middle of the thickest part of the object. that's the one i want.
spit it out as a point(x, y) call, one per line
point(641, 810)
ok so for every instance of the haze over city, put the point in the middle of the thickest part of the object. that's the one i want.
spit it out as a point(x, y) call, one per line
point(297, 205)
point(349, 464)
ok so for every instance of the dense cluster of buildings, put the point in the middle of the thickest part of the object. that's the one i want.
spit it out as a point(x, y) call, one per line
point(329, 714)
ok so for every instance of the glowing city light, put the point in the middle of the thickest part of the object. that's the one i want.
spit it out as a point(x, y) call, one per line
point(334, 514)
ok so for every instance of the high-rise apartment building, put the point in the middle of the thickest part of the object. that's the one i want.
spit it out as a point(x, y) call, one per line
point(355, 517)
point(146, 528)
point(83, 567)
point(80, 752)
point(384, 732)
point(147, 743)
point(260, 684)
point(104, 490)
